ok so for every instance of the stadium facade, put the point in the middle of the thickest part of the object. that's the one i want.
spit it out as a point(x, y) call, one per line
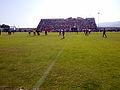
point(69, 24)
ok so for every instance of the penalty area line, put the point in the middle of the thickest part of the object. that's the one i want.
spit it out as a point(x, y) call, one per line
point(42, 79)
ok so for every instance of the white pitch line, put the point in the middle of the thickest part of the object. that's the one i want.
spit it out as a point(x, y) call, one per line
point(42, 79)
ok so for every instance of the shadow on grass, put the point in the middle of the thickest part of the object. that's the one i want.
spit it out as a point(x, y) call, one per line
point(62, 38)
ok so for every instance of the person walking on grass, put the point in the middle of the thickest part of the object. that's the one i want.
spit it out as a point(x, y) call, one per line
point(86, 32)
point(38, 32)
point(89, 31)
point(46, 32)
point(29, 32)
point(34, 32)
point(63, 33)
point(9, 32)
point(104, 33)
point(59, 32)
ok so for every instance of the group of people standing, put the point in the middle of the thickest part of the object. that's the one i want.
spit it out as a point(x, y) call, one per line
point(62, 32)
point(87, 31)
point(34, 32)
point(37, 32)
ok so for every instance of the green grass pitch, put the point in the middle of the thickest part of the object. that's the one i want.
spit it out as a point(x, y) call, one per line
point(84, 62)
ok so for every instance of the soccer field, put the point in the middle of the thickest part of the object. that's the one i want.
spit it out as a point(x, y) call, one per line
point(77, 62)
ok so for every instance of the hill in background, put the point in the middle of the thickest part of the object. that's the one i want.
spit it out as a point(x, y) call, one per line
point(110, 24)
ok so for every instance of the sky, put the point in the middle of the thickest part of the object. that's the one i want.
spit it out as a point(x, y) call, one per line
point(28, 13)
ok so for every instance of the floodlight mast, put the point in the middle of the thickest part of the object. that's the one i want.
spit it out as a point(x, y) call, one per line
point(98, 18)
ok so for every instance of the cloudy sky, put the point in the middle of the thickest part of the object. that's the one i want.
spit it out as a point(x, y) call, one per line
point(27, 13)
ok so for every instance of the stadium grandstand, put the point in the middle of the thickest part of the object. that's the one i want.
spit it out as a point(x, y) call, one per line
point(69, 24)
